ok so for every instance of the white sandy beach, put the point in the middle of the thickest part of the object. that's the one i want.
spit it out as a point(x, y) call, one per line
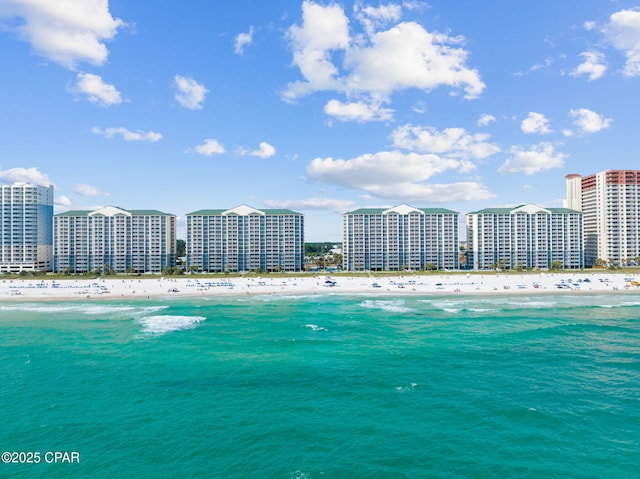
point(443, 284)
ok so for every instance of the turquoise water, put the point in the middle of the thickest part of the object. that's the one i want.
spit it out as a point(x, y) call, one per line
point(324, 387)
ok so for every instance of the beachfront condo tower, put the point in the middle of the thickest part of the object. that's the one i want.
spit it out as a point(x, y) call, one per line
point(26, 228)
point(400, 238)
point(245, 239)
point(115, 239)
point(610, 203)
point(527, 236)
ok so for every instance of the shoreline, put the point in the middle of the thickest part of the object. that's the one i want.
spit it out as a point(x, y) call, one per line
point(443, 284)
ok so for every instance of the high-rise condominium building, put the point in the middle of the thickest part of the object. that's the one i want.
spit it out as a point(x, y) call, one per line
point(245, 239)
point(610, 202)
point(402, 237)
point(134, 240)
point(527, 236)
point(26, 239)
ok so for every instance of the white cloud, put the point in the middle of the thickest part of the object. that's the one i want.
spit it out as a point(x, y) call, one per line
point(384, 167)
point(538, 66)
point(191, 94)
point(450, 142)
point(535, 123)
point(396, 175)
point(27, 175)
point(264, 151)
point(242, 40)
point(408, 56)
point(589, 121)
point(338, 206)
point(88, 190)
point(623, 31)
point(375, 64)
point(323, 30)
point(358, 111)
point(128, 135)
point(96, 90)
point(373, 18)
point(418, 193)
point(537, 158)
point(485, 119)
point(594, 66)
point(209, 147)
point(64, 31)
point(62, 201)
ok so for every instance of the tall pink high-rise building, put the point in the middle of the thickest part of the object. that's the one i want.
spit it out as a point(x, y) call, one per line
point(610, 203)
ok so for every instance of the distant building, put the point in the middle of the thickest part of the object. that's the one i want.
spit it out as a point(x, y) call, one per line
point(402, 237)
point(26, 225)
point(527, 236)
point(139, 240)
point(245, 239)
point(610, 203)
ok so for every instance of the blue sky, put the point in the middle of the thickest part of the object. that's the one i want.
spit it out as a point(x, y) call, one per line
point(321, 107)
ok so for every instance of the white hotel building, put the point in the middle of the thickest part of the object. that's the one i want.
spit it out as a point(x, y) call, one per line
point(26, 224)
point(245, 239)
point(402, 237)
point(527, 236)
point(610, 203)
point(138, 240)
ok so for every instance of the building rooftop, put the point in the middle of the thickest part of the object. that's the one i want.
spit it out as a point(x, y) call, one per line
point(243, 210)
point(112, 211)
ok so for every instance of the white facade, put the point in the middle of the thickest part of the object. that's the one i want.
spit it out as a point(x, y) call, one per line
point(528, 236)
point(26, 224)
point(139, 240)
point(403, 237)
point(610, 202)
point(245, 239)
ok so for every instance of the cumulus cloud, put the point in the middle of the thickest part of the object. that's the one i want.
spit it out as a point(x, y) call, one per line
point(88, 190)
point(594, 66)
point(357, 111)
point(96, 90)
point(623, 31)
point(535, 123)
point(27, 175)
point(190, 94)
point(485, 119)
point(396, 175)
point(378, 168)
point(209, 147)
point(432, 193)
point(450, 142)
point(265, 150)
point(377, 63)
point(537, 158)
point(62, 201)
point(242, 40)
point(127, 135)
point(589, 121)
point(373, 18)
point(328, 204)
point(64, 31)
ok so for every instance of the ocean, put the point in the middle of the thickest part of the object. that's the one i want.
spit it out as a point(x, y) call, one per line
point(322, 386)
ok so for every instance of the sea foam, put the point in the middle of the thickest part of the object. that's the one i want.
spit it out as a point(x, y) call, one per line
point(158, 325)
point(393, 306)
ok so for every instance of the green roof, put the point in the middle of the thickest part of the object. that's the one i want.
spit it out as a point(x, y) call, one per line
point(507, 211)
point(379, 211)
point(74, 213)
point(133, 212)
point(148, 213)
point(271, 212)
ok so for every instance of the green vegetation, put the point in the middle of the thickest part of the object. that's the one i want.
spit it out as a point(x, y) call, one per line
point(181, 247)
